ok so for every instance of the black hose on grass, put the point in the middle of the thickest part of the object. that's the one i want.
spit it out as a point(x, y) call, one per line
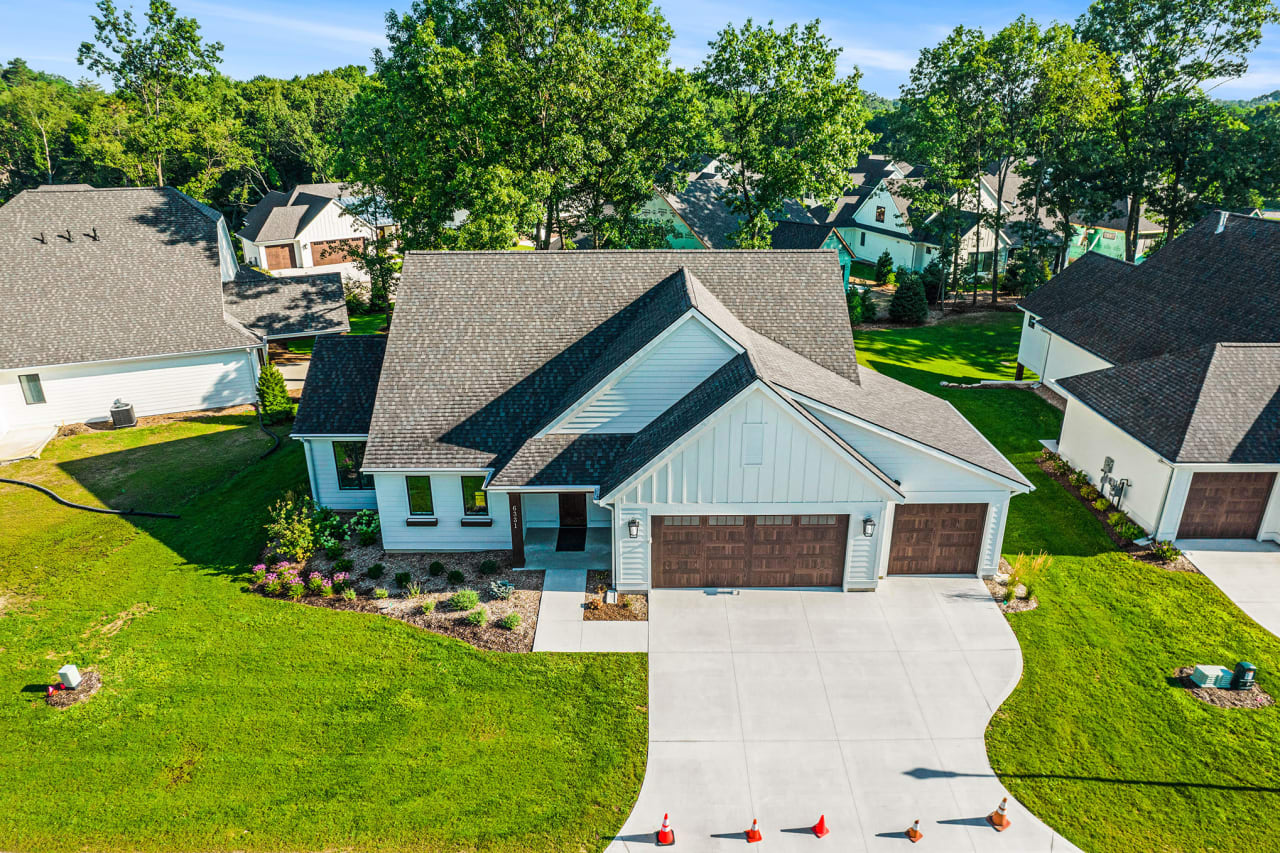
point(68, 503)
point(262, 426)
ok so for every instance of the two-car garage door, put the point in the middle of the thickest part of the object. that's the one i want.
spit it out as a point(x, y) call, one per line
point(745, 550)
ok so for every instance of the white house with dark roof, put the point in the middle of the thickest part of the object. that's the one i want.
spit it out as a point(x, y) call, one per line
point(1171, 372)
point(680, 418)
point(134, 294)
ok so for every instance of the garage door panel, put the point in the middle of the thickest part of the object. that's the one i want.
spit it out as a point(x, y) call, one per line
point(937, 539)
point(1226, 504)
point(326, 252)
point(742, 551)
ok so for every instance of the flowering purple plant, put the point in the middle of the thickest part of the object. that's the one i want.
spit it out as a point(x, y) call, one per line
point(314, 575)
point(340, 577)
point(271, 577)
point(261, 567)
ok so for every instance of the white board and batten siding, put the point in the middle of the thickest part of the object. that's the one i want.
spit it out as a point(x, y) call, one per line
point(331, 223)
point(926, 477)
point(446, 498)
point(76, 393)
point(324, 477)
point(708, 473)
point(632, 397)
point(1052, 356)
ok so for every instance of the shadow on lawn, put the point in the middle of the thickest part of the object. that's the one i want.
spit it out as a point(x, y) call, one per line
point(931, 773)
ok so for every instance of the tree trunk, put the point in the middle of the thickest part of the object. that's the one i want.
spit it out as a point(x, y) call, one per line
point(545, 241)
point(1131, 228)
point(977, 241)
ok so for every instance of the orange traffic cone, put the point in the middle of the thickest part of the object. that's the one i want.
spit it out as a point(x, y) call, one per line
point(666, 835)
point(753, 834)
point(914, 833)
point(820, 828)
point(1000, 818)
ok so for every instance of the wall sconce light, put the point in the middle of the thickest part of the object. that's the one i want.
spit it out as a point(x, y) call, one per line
point(868, 526)
point(633, 528)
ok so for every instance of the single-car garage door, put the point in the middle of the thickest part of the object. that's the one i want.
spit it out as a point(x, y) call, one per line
point(325, 252)
point(279, 257)
point(745, 550)
point(937, 539)
point(1226, 505)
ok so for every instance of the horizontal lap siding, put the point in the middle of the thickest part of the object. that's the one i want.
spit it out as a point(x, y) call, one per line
point(449, 534)
point(156, 386)
point(677, 365)
point(1088, 438)
point(1066, 359)
point(324, 480)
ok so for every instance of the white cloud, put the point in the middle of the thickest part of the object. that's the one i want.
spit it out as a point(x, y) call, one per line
point(872, 57)
point(297, 25)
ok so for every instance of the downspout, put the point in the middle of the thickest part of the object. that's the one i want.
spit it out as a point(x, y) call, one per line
point(613, 536)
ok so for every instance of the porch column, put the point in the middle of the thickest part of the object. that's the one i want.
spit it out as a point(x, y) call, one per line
point(516, 501)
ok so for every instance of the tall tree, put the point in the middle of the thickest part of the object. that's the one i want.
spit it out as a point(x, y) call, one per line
point(160, 70)
point(1165, 50)
point(37, 112)
point(788, 125)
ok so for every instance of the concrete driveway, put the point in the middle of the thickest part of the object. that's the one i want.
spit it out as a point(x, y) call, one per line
point(1246, 570)
point(781, 705)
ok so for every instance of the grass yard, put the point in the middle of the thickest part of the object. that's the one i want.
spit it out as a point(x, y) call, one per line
point(1095, 740)
point(229, 721)
point(361, 324)
point(862, 269)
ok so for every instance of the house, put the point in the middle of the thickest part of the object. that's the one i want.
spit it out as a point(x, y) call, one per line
point(312, 226)
point(134, 294)
point(688, 418)
point(1171, 373)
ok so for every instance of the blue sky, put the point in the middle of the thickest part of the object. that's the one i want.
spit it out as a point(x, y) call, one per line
point(287, 37)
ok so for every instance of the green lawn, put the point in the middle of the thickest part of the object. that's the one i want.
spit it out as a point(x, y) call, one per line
point(234, 722)
point(862, 269)
point(1095, 740)
point(361, 324)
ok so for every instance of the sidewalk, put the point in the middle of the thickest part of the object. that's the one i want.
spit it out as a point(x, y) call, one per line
point(561, 627)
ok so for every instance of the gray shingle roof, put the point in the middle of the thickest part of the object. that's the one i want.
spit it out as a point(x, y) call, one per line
point(1215, 403)
point(151, 284)
point(342, 383)
point(283, 216)
point(799, 235)
point(273, 306)
point(1204, 287)
point(699, 205)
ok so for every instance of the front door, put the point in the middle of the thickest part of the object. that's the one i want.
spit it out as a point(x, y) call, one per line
point(573, 509)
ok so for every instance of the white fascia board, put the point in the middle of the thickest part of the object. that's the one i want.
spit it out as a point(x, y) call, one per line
point(577, 488)
point(245, 348)
point(353, 436)
point(920, 445)
point(692, 315)
point(477, 472)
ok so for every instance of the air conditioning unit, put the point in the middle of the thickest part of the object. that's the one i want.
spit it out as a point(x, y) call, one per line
point(1208, 675)
point(122, 415)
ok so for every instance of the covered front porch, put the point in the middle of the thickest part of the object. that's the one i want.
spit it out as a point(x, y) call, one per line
point(561, 530)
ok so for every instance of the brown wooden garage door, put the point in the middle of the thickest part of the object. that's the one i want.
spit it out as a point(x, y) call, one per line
point(280, 257)
point(1225, 505)
point(325, 252)
point(745, 550)
point(937, 539)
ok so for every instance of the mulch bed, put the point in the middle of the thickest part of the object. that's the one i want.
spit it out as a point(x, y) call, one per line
point(436, 589)
point(90, 683)
point(154, 420)
point(1138, 552)
point(637, 609)
point(1254, 697)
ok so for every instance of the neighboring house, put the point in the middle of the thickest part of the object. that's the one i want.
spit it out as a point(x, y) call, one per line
point(1265, 213)
point(312, 226)
point(135, 295)
point(1171, 371)
point(807, 235)
point(696, 418)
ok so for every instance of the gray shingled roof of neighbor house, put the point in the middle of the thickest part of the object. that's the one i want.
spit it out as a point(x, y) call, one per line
point(489, 347)
point(149, 284)
point(699, 204)
point(284, 306)
point(283, 216)
point(1204, 287)
point(342, 383)
point(1214, 403)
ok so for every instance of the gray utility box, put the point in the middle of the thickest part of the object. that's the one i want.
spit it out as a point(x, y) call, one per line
point(70, 676)
point(1243, 677)
point(1208, 675)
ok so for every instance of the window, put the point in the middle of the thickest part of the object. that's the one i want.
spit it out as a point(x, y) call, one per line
point(862, 238)
point(928, 250)
point(1108, 235)
point(419, 489)
point(725, 520)
point(817, 519)
point(773, 520)
point(474, 500)
point(680, 521)
point(879, 214)
point(348, 457)
point(32, 391)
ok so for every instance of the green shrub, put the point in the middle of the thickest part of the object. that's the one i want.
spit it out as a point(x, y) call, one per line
point(853, 302)
point(428, 606)
point(477, 617)
point(436, 568)
point(333, 550)
point(1078, 478)
point(1047, 455)
point(489, 567)
point(501, 589)
point(932, 278)
point(273, 395)
point(374, 572)
point(1088, 492)
point(1060, 467)
point(365, 526)
point(455, 576)
point(402, 579)
point(1115, 519)
point(315, 582)
point(464, 599)
point(381, 592)
point(908, 305)
point(1102, 504)
point(412, 590)
point(346, 564)
point(511, 621)
point(869, 309)
point(1026, 570)
point(1130, 531)
point(297, 590)
point(884, 267)
point(349, 594)
point(1165, 550)
point(290, 529)
point(328, 523)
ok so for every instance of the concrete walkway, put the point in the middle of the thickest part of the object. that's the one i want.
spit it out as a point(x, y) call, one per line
point(561, 627)
point(870, 708)
point(1246, 570)
point(25, 442)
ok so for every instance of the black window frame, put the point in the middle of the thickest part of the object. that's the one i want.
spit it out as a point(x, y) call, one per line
point(28, 381)
point(473, 509)
point(408, 494)
point(363, 482)
point(862, 238)
point(880, 212)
